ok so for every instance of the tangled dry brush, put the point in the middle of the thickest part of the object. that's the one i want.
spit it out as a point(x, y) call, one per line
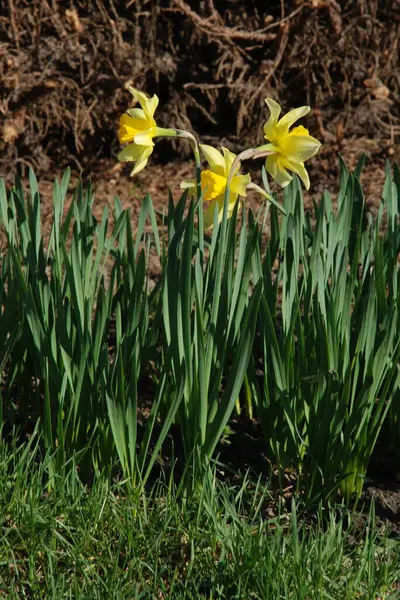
point(64, 67)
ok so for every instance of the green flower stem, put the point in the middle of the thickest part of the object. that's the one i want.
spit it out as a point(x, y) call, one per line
point(181, 133)
point(252, 153)
point(245, 155)
point(163, 132)
point(268, 197)
point(186, 134)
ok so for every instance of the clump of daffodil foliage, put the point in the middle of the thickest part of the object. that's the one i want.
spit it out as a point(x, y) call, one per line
point(287, 151)
point(321, 382)
point(292, 317)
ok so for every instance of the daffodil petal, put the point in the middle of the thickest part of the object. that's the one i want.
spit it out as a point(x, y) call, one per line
point(148, 105)
point(134, 152)
point(239, 184)
point(229, 158)
point(291, 117)
point(270, 125)
point(290, 148)
point(299, 130)
point(214, 158)
point(138, 95)
point(130, 153)
point(151, 105)
point(268, 148)
point(299, 147)
point(140, 165)
point(144, 139)
point(127, 130)
point(302, 173)
point(296, 167)
point(208, 217)
point(187, 185)
point(231, 206)
point(274, 107)
point(137, 113)
point(277, 170)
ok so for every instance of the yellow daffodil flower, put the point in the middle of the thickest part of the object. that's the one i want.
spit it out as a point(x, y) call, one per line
point(290, 149)
point(214, 180)
point(138, 126)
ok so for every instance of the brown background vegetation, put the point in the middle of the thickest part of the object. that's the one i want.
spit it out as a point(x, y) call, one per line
point(65, 66)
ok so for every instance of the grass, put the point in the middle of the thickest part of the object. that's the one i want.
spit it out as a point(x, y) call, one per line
point(226, 541)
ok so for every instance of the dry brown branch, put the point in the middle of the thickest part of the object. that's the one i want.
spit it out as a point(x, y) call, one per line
point(280, 22)
point(212, 86)
point(207, 26)
point(12, 22)
point(245, 106)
